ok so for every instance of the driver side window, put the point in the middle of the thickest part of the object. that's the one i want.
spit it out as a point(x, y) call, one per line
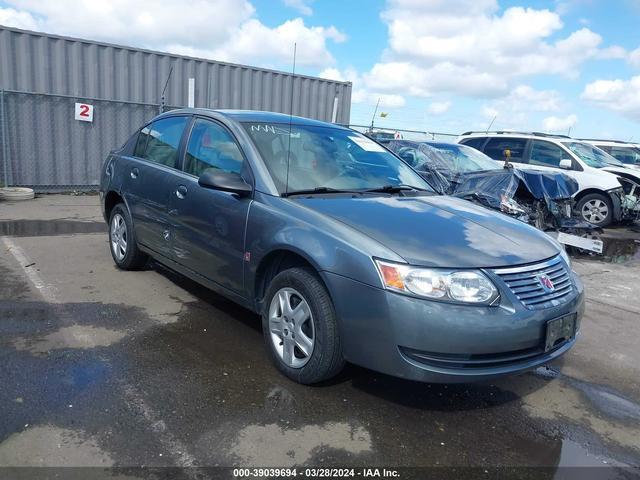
point(211, 146)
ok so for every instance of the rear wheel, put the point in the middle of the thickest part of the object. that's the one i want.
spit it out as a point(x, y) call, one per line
point(122, 240)
point(300, 327)
point(596, 209)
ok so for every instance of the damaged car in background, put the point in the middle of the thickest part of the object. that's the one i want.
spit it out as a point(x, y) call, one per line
point(541, 199)
point(628, 176)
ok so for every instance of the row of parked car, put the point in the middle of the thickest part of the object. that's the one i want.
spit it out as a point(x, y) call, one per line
point(571, 186)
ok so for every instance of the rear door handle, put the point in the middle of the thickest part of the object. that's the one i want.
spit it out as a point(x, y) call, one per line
point(181, 192)
point(135, 172)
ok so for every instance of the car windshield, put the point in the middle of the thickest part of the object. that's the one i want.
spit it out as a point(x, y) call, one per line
point(460, 158)
point(326, 158)
point(592, 156)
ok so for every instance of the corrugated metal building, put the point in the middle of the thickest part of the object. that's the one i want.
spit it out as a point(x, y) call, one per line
point(42, 76)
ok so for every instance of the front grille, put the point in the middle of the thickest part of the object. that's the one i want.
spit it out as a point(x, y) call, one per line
point(478, 361)
point(525, 284)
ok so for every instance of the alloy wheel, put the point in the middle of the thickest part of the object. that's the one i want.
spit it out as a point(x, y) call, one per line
point(595, 211)
point(119, 236)
point(291, 327)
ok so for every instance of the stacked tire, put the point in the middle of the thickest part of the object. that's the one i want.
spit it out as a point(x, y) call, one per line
point(14, 194)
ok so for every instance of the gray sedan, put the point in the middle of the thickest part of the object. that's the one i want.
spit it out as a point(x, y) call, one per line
point(345, 251)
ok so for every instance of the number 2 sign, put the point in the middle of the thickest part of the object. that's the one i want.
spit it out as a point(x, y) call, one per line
point(84, 112)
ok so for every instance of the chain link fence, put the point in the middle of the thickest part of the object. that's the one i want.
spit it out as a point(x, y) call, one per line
point(44, 147)
point(405, 134)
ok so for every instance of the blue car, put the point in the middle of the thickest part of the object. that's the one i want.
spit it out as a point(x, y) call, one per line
point(343, 249)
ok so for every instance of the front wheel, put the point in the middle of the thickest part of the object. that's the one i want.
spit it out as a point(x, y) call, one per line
point(300, 327)
point(122, 240)
point(596, 208)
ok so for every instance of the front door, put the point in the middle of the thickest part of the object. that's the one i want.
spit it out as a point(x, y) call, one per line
point(209, 225)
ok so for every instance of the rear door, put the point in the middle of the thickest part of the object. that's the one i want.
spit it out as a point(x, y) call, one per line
point(148, 179)
point(209, 225)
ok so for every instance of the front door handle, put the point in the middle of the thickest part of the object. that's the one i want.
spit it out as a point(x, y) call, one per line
point(135, 172)
point(181, 192)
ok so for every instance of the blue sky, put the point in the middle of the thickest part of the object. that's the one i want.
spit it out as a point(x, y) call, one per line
point(436, 65)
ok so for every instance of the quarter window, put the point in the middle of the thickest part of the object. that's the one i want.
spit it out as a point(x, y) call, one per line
point(495, 148)
point(162, 141)
point(141, 143)
point(546, 154)
point(212, 146)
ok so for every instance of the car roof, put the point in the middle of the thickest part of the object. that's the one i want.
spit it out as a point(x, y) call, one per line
point(511, 134)
point(609, 143)
point(254, 116)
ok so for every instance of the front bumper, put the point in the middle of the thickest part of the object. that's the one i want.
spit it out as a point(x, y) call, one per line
point(439, 342)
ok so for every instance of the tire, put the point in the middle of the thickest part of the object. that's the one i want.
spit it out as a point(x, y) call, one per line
point(14, 194)
point(320, 326)
point(596, 208)
point(122, 240)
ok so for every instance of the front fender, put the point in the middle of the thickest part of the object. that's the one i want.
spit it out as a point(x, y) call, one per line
point(329, 246)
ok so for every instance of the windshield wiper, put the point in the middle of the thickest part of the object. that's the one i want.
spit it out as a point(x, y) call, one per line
point(394, 188)
point(311, 191)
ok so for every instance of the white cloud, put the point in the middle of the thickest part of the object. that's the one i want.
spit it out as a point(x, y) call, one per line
point(332, 74)
point(524, 98)
point(300, 5)
point(438, 108)
point(513, 111)
point(634, 57)
point(219, 29)
point(559, 124)
point(13, 18)
point(360, 92)
point(469, 47)
point(621, 96)
point(256, 43)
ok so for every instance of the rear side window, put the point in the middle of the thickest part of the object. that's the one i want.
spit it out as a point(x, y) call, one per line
point(476, 142)
point(141, 143)
point(211, 146)
point(546, 154)
point(159, 142)
point(496, 147)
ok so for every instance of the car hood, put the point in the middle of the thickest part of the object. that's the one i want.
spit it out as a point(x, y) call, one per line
point(438, 231)
point(625, 171)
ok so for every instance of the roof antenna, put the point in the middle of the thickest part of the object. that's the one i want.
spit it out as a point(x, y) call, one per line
point(491, 124)
point(293, 79)
point(374, 115)
point(166, 84)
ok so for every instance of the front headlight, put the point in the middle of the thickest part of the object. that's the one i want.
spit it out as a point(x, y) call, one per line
point(565, 255)
point(466, 286)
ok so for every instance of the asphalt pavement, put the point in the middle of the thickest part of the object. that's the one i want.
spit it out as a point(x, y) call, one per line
point(100, 367)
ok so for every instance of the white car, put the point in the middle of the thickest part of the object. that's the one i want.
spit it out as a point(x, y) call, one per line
point(625, 152)
point(600, 195)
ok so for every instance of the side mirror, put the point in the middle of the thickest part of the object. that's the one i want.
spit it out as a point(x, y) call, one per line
point(566, 163)
point(224, 181)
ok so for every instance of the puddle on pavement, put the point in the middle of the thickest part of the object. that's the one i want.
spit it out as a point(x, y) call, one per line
point(620, 246)
point(573, 455)
point(42, 228)
point(52, 447)
point(76, 336)
point(609, 402)
point(273, 445)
